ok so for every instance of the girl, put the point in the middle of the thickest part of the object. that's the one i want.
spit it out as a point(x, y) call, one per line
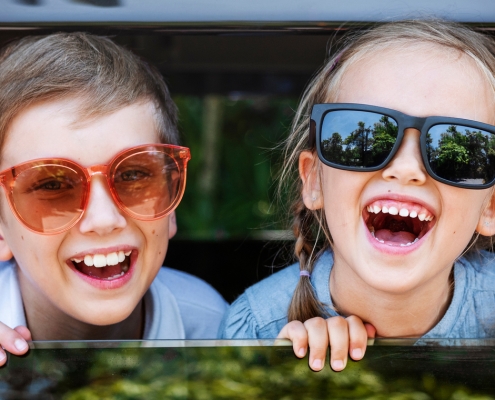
point(394, 145)
point(91, 173)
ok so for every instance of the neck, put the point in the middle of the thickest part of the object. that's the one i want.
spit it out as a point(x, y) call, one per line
point(48, 322)
point(409, 314)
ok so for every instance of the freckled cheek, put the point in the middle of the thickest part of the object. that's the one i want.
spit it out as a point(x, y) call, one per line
point(23, 244)
point(39, 259)
point(157, 238)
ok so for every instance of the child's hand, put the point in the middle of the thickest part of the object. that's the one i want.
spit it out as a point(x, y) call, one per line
point(13, 340)
point(345, 336)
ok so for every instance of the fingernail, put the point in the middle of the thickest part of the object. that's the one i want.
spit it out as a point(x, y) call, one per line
point(3, 356)
point(337, 365)
point(20, 344)
point(301, 352)
point(357, 354)
point(317, 364)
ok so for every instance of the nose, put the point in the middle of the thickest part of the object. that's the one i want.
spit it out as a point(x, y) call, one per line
point(407, 166)
point(102, 216)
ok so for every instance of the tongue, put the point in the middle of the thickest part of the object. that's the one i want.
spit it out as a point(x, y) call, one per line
point(107, 272)
point(400, 237)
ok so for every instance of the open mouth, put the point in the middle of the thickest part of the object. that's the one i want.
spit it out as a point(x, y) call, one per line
point(397, 223)
point(104, 266)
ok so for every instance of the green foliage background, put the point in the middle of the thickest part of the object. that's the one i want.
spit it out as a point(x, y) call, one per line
point(239, 201)
point(271, 372)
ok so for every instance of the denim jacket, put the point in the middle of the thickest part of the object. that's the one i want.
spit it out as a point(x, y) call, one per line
point(261, 311)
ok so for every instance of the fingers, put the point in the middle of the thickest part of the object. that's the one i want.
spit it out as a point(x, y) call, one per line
point(296, 332)
point(358, 337)
point(345, 336)
point(13, 340)
point(313, 333)
point(370, 329)
point(24, 332)
point(338, 332)
point(317, 332)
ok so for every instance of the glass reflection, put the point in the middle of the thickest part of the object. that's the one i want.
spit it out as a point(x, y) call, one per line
point(49, 196)
point(461, 154)
point(357, 138)
point(240, 369)
point(364, 139)
point(147, 183)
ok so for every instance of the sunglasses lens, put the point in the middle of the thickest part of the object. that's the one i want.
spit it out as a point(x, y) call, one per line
point(147, 183)
point(461, 154)
point(359, 139)
point(49, 198)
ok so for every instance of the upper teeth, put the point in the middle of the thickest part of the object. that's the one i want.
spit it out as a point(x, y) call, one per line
point(422, 215)
point(102, 260)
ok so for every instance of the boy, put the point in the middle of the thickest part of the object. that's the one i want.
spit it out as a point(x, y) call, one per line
point(86, 224)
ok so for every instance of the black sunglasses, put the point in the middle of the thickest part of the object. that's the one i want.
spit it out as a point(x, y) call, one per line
point(359, 137)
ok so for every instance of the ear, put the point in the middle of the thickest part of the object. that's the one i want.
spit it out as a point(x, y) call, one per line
point(172, 225)
point(486, 224)
point(308, 171)
point(5, 252)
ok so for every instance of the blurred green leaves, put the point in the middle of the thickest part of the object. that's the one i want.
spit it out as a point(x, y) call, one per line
point(229, 190)
point(271, 372)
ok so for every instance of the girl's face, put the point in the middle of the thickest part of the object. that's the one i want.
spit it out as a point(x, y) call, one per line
point(50, 280)
point(420, 81)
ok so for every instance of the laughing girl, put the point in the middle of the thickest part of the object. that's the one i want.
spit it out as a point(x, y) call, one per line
point(394, 145)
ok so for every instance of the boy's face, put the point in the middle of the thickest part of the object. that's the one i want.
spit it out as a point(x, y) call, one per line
point(49, 280)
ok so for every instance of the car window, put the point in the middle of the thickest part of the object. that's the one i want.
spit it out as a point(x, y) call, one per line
point(246, 369)
point(236, 71)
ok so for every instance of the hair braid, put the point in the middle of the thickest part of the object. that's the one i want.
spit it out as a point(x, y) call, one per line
point(304, 304)
point(325, 88)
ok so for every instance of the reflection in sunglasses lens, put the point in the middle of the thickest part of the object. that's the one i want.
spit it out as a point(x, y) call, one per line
point(461, 154)
point(357, 138)
point(147, 183)
point(49, 197)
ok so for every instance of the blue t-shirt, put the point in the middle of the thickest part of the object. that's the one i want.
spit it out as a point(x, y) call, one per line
point(261, 312)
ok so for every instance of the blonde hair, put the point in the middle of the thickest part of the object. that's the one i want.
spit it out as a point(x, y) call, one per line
point(105, 76)
point(309, 225)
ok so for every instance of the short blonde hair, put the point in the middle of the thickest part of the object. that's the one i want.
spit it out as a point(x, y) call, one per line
point(309, 225)
point(104, 75)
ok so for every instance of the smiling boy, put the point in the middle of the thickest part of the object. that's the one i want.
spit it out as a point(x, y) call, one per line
point(88, 221)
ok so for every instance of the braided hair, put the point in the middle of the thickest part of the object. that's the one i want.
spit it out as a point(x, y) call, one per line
point(309, 226)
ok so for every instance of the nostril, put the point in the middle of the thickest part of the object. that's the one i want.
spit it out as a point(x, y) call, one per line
point(406, 170)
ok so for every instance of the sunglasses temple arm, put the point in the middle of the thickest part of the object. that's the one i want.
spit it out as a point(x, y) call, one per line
point(312, 134)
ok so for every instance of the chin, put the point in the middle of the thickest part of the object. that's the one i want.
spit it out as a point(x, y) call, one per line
point(101, 314)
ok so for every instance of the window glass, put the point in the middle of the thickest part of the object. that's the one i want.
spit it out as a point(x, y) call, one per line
point(392, 368)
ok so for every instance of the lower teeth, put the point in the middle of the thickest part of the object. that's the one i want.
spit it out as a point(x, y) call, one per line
point(410, 243)
point(115, 276)
point(402, 244)
point(378, 240)
point(123, 271)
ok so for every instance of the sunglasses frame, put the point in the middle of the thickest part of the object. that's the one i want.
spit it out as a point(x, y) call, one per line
point(180, 155)
point(404, 121)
